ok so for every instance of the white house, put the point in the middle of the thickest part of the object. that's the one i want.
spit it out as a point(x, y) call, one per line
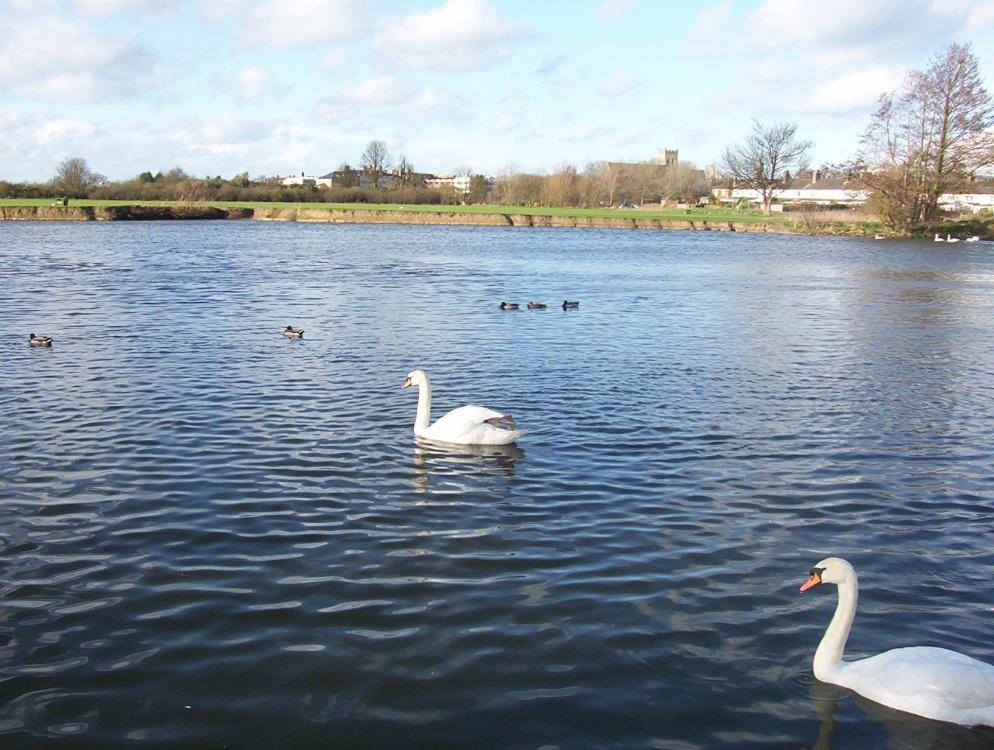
point(981, 200)
point(304, 180)
point(458, 184)
point(821, 191)
point(813, 189)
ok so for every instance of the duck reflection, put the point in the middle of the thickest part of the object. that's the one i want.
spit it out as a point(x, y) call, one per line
point(905, 731)
point(450, 462)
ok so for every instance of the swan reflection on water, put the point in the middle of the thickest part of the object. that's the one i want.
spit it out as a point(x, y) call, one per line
point(904, 731)
point(446, 460)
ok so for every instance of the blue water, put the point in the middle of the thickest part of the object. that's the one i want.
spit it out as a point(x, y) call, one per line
point(212, 536)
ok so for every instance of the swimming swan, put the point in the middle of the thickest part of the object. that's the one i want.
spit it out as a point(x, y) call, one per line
point(467, 425)
point(932, 682)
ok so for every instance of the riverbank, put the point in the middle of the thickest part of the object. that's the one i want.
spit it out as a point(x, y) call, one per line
point(847, 223)
point(399, 215)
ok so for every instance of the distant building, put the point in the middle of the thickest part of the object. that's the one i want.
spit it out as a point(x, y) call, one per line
point(360, 178)
point(668, 157)
point(304, 180)
point(460, 184)
point(979, 197)
point(813, 189)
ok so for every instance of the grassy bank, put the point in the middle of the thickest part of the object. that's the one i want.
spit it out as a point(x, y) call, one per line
point(853, 223)
point(666, 214)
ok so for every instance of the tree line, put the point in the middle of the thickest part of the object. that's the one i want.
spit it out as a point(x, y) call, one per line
point(599, 184)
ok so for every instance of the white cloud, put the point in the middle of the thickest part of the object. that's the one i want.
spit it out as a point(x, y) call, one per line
point(871, 28)
point(226, 130)
point(461, 35)
point(506, 122)
point(434, 105)
point(583, 133)
point(112, 8)
point(329, 111)
point(221, 10)
point(56, 58)
point(609, 10)
point(282, 24)
point(618, 85)
point(551, 66)
point(61, 130)
point(335, 58)
point(378, 90)
point(852, 92)
point(256, 84)
point(709, 28)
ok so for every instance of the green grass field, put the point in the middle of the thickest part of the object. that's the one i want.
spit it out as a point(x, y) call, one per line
point(692, 214)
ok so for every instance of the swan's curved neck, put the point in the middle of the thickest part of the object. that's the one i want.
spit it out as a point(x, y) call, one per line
point(424, 406)
point(828, 657)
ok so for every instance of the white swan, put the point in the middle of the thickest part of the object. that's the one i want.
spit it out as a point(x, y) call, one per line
point(467, 425)
point(932, 682)
point(938, 238)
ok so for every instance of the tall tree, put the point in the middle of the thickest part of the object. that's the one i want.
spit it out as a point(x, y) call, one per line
point(406, 170)
point(763, 162)
point(73, 176)
point(376, 160)
point(930, 140)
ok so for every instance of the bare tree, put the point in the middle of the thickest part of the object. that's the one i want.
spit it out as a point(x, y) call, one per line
point(930, 140)
point(73, 176)
point(560, 188)
point(376, 160)
point(405, 169)
point(763, 162)
point(504, 185)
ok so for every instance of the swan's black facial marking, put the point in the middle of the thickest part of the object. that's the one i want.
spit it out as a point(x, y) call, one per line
point(816, 572)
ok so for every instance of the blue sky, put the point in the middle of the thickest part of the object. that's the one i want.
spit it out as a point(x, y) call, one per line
point(279, 87)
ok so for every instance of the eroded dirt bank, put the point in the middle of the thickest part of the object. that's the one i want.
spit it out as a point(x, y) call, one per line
point(367, 216)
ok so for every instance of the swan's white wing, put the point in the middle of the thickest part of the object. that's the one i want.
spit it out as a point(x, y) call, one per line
point(468, 425)
point(932, 682)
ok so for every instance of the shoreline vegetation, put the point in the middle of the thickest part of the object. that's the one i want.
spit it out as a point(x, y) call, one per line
point(519, 216)
point(824, 222)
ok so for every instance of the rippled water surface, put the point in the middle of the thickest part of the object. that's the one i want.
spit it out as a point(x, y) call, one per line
point(212, 536)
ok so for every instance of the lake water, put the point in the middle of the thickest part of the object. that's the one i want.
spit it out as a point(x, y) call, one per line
point(212, 536)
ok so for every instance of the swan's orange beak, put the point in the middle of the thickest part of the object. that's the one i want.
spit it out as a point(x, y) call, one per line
point(814, 580)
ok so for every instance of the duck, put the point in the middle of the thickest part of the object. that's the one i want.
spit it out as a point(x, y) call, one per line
point(39, 340)
point(536, 306)
point(509, 305)
point(567, 305)
point(293, 333)
point(926, 681)
point(467, 425)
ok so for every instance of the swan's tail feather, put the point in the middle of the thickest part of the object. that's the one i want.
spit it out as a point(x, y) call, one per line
point(505, 420)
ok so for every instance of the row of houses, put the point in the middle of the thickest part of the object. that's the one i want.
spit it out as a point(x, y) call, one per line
point(459, 184)
point(814, 189)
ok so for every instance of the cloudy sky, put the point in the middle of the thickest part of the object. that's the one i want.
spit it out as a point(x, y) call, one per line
point(277, 87)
